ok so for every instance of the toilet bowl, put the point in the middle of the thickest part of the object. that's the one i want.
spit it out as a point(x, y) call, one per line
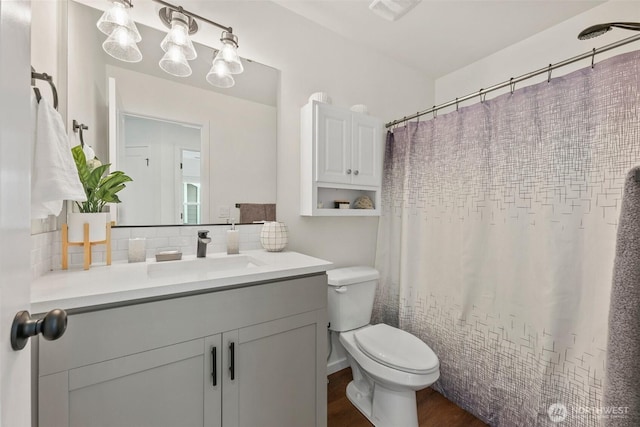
point(388, 364)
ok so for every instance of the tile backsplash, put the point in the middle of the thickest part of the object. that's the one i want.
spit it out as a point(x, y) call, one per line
point(46, 248)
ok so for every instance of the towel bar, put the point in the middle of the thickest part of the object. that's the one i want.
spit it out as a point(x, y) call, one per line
point(47, 78)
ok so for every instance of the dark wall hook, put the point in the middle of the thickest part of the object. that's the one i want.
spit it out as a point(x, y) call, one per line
point(79, 128)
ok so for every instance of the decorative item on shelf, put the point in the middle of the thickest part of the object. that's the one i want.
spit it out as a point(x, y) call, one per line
point(274, 236)
point(97, 226)
point(86, 242)
point(91, 226)
point(137, 249)
point(341, 204)
point(320, 97)
point(363, 202)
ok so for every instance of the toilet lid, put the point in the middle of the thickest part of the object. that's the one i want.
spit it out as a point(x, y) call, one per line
point(396, 348)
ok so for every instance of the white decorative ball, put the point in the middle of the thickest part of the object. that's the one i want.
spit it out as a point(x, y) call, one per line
point(274, 236)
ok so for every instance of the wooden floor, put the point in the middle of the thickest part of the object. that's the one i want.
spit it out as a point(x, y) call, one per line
point(433, 409)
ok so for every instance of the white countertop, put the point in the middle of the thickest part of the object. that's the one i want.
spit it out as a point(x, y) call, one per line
point(123, 282)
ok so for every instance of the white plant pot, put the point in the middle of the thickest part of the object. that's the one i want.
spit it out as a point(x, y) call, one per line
point(97, 226)
point(274, 236)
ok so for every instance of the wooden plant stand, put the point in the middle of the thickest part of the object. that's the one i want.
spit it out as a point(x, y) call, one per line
point(86, 244)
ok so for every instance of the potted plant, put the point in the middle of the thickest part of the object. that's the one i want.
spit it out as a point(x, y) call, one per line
point(100, 189)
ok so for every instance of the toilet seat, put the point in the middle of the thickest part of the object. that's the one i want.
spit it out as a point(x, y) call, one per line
point(396, 349)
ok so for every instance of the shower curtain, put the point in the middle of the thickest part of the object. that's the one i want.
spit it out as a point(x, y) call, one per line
point(497, 238)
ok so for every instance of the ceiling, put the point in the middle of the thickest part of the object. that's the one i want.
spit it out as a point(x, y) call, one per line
point(440, 36)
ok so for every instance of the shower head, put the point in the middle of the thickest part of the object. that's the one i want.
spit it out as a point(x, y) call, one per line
point(598, 30)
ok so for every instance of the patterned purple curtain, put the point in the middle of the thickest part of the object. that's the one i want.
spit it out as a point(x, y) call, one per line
point(497, 239)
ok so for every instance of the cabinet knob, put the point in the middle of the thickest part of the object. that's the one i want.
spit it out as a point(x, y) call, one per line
point(348, 171)
point(356, 172)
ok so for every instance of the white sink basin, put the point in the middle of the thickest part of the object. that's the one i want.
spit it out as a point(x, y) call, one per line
point(202, 266)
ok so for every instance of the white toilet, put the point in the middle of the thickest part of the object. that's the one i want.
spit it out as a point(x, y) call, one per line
point(388, 364)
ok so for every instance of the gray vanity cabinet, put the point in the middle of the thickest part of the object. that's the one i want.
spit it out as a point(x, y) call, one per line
point(161, 387)
point(246, 357)
point(275, 373)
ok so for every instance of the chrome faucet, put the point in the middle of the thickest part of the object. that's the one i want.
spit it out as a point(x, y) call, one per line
point(203, 241)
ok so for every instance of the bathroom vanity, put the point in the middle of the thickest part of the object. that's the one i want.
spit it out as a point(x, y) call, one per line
point(242, 343)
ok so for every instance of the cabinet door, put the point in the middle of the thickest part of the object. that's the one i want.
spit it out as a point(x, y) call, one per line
point(278, 380)
point(230, 416)
point(367, 150)
point(333, 144)
point(156, 388)
point(213, 351)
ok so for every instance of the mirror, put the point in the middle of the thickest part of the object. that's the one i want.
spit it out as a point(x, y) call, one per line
point(163, 158)
point(194, 151)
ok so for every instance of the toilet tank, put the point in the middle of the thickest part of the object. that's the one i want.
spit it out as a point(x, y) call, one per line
point(350, 298)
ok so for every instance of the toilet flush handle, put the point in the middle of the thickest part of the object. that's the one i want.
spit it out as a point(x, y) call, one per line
point(340, 289)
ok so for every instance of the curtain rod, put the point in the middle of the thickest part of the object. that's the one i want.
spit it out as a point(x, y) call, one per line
point(511, 82)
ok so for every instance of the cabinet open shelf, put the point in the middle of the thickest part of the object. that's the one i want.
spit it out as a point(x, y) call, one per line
point(327, 196)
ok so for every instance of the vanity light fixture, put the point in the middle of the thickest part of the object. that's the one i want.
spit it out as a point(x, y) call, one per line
point(123, 35)
point(219, 75)
point(225, 62)
point(229, 53)
point(177, 45)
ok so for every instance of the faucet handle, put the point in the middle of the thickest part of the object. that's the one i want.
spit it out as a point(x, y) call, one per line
point(203, 234)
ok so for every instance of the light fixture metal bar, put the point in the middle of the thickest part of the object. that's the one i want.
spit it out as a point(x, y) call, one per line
point(513, 81)
point(193, 15)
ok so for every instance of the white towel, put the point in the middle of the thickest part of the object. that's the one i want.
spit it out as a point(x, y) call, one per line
point(54, 176)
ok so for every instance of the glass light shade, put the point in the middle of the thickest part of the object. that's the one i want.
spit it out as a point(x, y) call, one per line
point(229, 54)
point(178, 35)
point(115, 17)
point(220, 76)
point(174, 62)
point(122, 46)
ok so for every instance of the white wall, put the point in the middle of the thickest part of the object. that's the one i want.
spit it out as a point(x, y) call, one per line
point(44, 32)
point(550, 46)
point(313, 59)
point(49, 56)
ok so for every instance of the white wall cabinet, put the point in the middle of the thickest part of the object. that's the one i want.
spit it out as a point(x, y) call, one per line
point(181, 362)
point(341, 159)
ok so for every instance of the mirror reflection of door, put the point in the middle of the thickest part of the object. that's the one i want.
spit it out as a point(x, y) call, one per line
point(190, 184)
point(137, 161)
point(163, 159)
